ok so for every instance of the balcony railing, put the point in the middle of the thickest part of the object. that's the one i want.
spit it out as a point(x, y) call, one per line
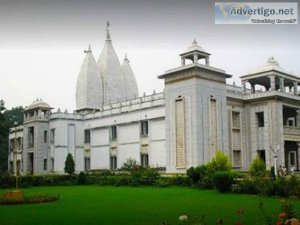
point(291, 130)
point(291, 133)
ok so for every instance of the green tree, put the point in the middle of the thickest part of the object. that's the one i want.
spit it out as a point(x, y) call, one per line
point(69, 165)
point(7, 119)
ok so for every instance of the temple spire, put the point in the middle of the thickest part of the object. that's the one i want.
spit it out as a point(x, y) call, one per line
point(89, 50)
point(107, 31)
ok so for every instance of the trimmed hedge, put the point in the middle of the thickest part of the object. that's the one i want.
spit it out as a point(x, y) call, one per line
point(282, 187)
point(224, 180)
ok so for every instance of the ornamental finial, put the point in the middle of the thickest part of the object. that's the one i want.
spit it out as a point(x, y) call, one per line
point(126, 59)
point(107, 31)
point(89, 50)
point(194, 42)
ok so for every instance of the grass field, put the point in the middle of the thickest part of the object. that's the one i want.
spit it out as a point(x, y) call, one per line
point(91, 205)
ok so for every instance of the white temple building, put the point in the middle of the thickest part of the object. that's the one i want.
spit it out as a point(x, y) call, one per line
point(184, 126)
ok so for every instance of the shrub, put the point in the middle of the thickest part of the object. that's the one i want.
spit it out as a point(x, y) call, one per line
point(197, 174)
point(245, 186)
point(123, 181)
point(130, 164)
point(7, 181)
point(143, 176)
point(292, 185)
point(288, 208)
point(69, 164)
point(257, 168)
point(81, 179)
point(223, 180)
point(163, 182)
point(220, 162)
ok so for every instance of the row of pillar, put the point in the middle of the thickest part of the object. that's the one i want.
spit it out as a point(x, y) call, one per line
point(195, 59)
point(272, 85)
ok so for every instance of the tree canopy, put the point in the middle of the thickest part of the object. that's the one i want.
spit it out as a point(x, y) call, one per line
point(7, 119)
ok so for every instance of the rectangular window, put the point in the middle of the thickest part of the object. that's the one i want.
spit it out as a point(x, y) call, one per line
point(87, 136)
point(45, 164)
point(144, 128)
point(113, 162)
point(87, 163)
point(262, 155)
point(260, 119)
point(52, 136)
point(236, 120)
point(144, 160)
point(237, 156)
point(30, 137)
point(291, 122)
point(45, 136)
point(113, 132)
point(52, 164)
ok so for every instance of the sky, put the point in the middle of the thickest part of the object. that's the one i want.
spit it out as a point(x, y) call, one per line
point(42, 43)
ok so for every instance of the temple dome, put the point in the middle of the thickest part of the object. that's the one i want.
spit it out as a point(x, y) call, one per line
point(38, 103)
point(89, 89)
point(130, 81)
point(271, 65)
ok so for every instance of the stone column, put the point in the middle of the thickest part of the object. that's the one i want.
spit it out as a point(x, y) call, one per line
point(244, 86)
point(295, 88)
point(272, 82)
point(182, 61)
point(207, 61)
point(195, 58)
point(281, 84)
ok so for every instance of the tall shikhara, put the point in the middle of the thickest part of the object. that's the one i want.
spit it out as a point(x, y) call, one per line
point(106, 81)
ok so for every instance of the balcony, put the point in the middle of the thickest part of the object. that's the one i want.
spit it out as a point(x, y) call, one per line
point(291, 133)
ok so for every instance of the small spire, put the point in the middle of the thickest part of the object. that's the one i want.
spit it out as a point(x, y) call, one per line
point(195, 42)
point(126, 59)
point(107, 31)
point(89, 50)
point(272, 61)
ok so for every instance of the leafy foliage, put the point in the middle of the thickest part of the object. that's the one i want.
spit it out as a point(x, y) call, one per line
point(69, 164)
point(130, 164)
point(7, 119)
point(202, 176)
point(257, 168)
point(220, 162)
point(223, 180)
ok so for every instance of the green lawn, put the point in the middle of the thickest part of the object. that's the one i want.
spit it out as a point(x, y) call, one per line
point(86, 205)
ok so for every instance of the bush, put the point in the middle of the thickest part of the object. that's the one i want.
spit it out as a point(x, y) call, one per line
point(257, 168)
point(81, 178)
point(130, 165)
point(144, 176)
point(220, 162)
point(7, 181)
point(245, 186)
point(197, 174)
point(163, 182)
point(223, 180)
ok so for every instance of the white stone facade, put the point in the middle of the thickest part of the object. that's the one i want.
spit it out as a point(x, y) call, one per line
point(196, 115)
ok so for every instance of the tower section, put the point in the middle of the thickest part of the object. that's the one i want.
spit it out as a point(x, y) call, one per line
point(196, 121)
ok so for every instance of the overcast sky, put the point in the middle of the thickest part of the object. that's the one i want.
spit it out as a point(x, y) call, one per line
point(42, 43)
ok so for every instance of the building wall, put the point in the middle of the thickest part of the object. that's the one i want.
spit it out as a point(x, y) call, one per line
point(201, 138)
